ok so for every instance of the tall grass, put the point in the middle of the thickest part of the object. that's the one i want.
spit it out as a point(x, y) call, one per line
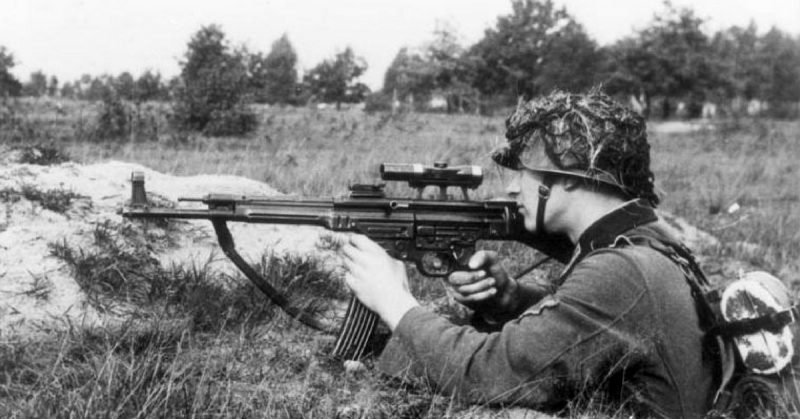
point(739, 182)
point(155, 370)
point(196, 343)
point(216, 348)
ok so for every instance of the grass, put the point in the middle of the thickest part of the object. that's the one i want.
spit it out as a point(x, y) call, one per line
point(169, 373)
point(196, 344)
point(56, 200)
point(199, 343)
point(752, 165)
point(42, 156)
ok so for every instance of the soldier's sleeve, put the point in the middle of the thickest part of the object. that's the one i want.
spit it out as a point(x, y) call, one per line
point(560, 345)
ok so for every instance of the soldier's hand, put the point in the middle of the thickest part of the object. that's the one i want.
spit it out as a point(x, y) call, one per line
point(378, 280)
point(486, 287)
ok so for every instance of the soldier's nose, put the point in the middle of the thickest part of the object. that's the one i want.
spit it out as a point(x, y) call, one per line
point(513, 189)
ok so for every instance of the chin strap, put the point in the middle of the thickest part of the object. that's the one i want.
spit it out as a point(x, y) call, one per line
point(544, 195)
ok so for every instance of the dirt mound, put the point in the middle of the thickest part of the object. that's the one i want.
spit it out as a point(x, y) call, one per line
point(43, 206)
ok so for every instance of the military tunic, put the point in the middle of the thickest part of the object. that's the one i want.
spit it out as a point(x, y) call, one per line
point(621, 330)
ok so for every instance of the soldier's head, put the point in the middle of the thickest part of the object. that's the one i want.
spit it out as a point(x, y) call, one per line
point(578, 142)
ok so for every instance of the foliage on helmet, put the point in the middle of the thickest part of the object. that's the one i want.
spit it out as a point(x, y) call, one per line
point(587, 135)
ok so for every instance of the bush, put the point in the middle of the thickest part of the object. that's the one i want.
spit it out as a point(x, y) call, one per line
point(43, 155)
point(122, 120)
point(378, 102)
point(784, 110)
point(236, 121)
point(114, 119)
point(56, 200)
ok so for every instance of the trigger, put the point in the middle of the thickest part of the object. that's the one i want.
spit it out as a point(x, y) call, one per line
point(437, 263)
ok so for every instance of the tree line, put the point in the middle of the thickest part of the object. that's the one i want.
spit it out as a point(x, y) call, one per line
point(534, 49)
point(539, 47)
point(264, 78)
point(148, 86)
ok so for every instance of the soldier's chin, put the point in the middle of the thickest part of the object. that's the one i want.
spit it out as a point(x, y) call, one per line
point(530, 224)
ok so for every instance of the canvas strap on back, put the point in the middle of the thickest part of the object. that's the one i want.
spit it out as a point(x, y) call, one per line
point(773, 322)
point(707, 310)
point(695, 278)
point(732, 385)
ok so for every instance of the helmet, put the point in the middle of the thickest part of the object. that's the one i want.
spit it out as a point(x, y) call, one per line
point(588, 136)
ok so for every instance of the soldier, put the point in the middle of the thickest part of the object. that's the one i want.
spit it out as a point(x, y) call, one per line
point(620, 327)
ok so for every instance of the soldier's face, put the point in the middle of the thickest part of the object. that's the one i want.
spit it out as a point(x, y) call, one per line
point(524, 188)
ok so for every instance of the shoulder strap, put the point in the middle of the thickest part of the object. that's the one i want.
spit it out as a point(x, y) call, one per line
point(707, 304)
point(705, 297)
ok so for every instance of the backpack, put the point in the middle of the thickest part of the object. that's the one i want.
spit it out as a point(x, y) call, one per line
point(752, 331)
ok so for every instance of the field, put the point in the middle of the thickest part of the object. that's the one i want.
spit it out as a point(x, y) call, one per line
point(233, 356)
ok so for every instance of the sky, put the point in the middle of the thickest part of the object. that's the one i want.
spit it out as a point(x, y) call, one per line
point(68, 38)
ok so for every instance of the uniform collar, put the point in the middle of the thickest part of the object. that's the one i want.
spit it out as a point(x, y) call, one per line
point(604, 232)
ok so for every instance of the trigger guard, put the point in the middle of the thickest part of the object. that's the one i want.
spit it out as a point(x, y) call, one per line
point(448, 262)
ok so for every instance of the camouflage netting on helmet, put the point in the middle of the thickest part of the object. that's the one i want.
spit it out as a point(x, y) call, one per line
point(587, 135)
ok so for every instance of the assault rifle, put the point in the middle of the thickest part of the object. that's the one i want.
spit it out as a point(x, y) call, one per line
point(438, 235)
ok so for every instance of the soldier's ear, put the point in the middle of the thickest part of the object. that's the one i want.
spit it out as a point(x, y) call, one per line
point(569, 183)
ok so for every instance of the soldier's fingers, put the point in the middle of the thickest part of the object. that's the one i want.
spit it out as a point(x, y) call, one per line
point(353, 254)
point(332, 240)
point(353, 268)
point(482, 258)
point(465, 277)
point(477, 287)
point(480, 296)
point(458, 297)
point(348, 251)
point(352, 279)
point(363, 242)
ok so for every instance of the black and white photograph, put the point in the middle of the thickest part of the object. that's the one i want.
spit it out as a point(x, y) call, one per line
point(354, 209)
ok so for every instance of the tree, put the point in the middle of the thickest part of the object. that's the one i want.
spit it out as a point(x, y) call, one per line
point(52, 87)
point(82, 86)
point(125, 86)
point(437, 68)
point(453, 72)
point(212, 94)
point(671, 58)
point(149, 87)
point(535, 49)
point(257, 72)
point(334, 80)
point(68, 90)
point(9, 85)
point(634, 70)
point(274, 77)
point(736, 50)
point(99, 88)
point(409, 75)
point(780, 57)
point(36, 85)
